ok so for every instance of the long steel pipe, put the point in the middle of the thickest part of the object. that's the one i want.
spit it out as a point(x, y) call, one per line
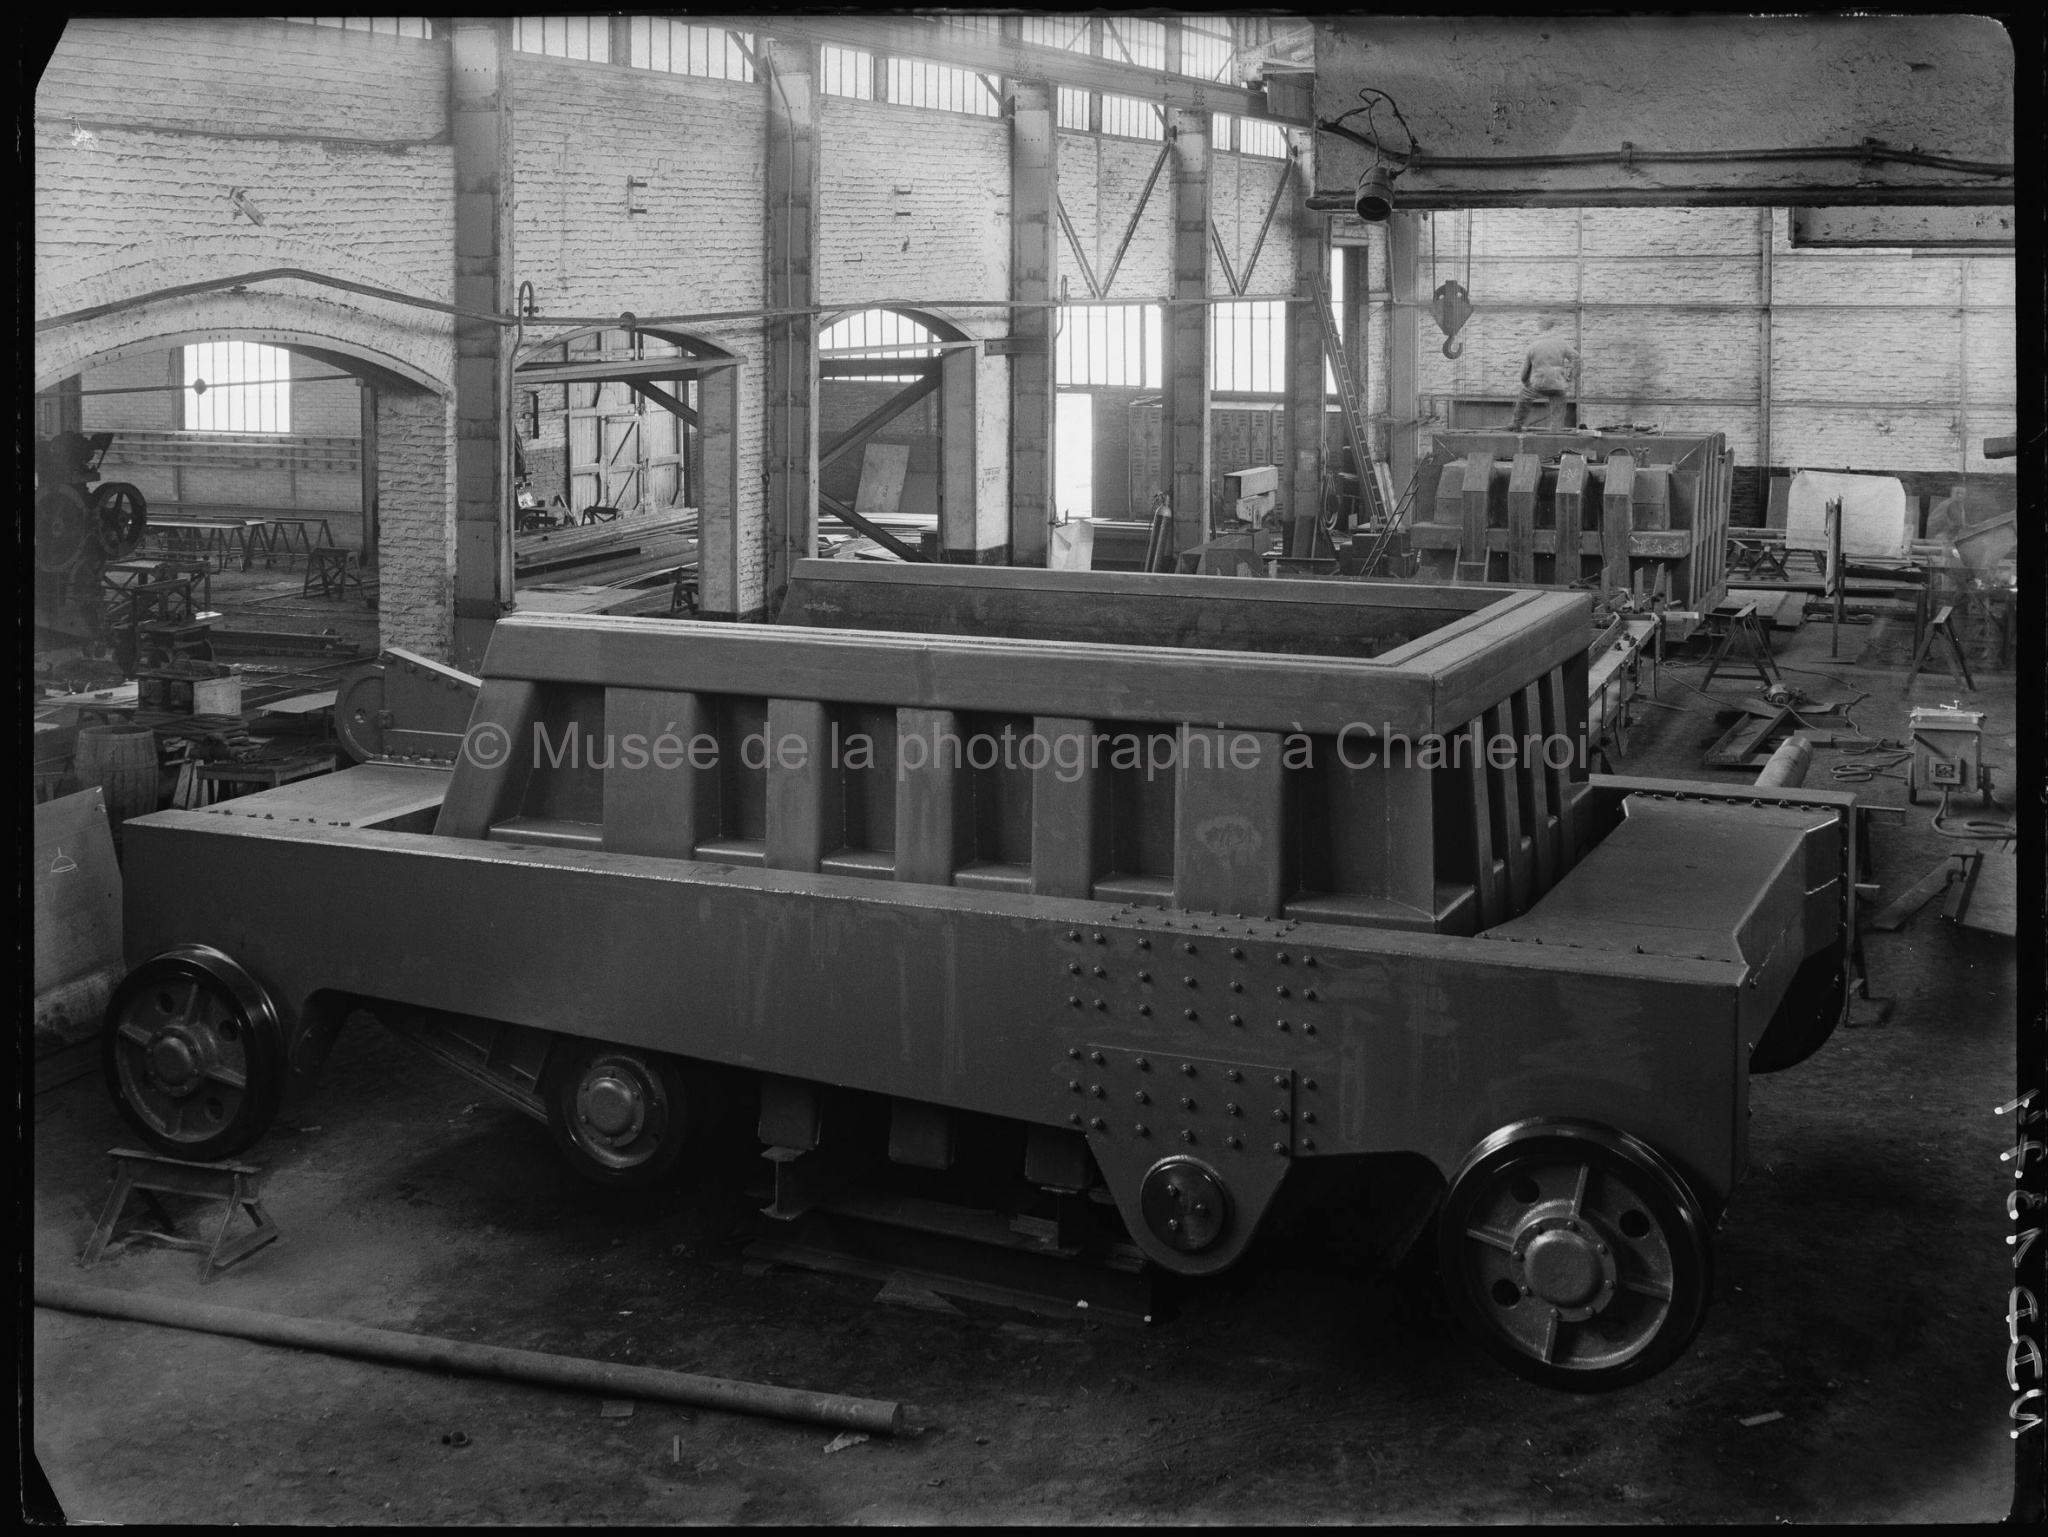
point(876, 1416)
point(1788, 765)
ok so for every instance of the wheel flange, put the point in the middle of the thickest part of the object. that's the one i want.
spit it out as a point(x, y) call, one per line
point(193, 1053)
point(1576, 1253)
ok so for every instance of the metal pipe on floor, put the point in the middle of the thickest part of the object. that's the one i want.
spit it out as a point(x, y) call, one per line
point(1788, 765)
point(876, 1416)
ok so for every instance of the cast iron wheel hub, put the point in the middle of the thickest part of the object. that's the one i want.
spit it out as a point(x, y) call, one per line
point(619, 1115)
point(1565, 1265)
point(611, 1105)
point(1185, 1204)
point(176, 1061)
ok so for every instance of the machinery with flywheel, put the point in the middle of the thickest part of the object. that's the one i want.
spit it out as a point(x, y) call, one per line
point(79, 528)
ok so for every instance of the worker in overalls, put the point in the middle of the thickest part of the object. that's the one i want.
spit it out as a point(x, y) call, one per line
point(1548, 370)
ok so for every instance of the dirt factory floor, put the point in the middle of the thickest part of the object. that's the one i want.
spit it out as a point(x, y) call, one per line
point(1858, 1304)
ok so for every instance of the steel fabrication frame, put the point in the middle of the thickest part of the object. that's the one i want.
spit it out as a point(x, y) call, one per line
point(1216, 969)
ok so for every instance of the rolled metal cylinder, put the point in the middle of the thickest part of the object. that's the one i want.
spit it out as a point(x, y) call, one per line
point(876, 1416)
point(1787, 768)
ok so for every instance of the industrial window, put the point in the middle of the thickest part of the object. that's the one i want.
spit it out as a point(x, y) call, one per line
point(587, 38)
point(1132, 41)
point(1073, 454)
point(237, 387)
point(681, 49)
point(1339, 256)
point(1206, 47)
point(914, 83)
point(1249, 136)
point(1068, 32)
point(1074, 108)
point(846, 72)
point(1248, 348)
point(880, 334)
point(389, 26)
point(1108, 345)
point(1129, 118)
point(987, 26)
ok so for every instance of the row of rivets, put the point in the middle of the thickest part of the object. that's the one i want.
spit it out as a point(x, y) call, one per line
point(1188, 946)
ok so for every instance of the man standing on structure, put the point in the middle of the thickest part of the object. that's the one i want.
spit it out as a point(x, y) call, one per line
point(1548, 372)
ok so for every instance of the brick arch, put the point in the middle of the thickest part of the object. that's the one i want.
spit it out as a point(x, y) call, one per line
point(959, 427)
point(417, 343)
point(376, 366)
point(387, 343)
point(715, 471)
point(942, 329)
point(415, 424)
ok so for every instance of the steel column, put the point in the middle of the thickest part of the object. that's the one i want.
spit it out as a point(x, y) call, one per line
point(791, 384)
point(959, 489)
point(1766, 234)
point(367, 457)
point(1306, 407)
point(1186, 420)
point(480, 128)
point(1034, 267)
point(1403, 319)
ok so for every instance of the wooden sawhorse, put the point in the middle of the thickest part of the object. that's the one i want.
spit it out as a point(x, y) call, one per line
point(1943, 628)
point(1746, 623)
point(146, 1174)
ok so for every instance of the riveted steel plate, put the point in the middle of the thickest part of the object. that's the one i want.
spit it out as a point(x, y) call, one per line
point(1233, 1112)
point(1154, 974)
point(1139, 1106)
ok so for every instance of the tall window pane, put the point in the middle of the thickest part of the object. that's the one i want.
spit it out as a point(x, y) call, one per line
point(1068, 32)
point(1130, 40)
point(587, 38)
point(681, 49)
point(1108, 345)
point(847, 72)
point(1206, 47)
point(1131, 118)
point(1248, 348)
point(247, 388)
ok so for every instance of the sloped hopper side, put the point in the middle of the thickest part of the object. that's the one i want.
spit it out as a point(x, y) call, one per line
point(1307, 618)
point(1308, 750)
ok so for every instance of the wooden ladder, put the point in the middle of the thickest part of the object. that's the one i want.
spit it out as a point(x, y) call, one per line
point(1378, 498)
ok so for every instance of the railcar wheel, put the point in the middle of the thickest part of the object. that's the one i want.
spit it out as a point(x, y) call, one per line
point(194, 1056)
point(1575, 1253)
point(620, 1115)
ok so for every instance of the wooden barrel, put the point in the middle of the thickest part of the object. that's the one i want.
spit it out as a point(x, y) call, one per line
point(121, 760)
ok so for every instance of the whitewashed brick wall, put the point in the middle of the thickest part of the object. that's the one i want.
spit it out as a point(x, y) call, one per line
point(416, 544)
point(1880, 360)
point(144, 127)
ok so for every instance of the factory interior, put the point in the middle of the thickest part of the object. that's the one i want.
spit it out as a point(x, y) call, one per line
point(1010, 767)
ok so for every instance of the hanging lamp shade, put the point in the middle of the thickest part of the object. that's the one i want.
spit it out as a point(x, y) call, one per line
point(1375, 199)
